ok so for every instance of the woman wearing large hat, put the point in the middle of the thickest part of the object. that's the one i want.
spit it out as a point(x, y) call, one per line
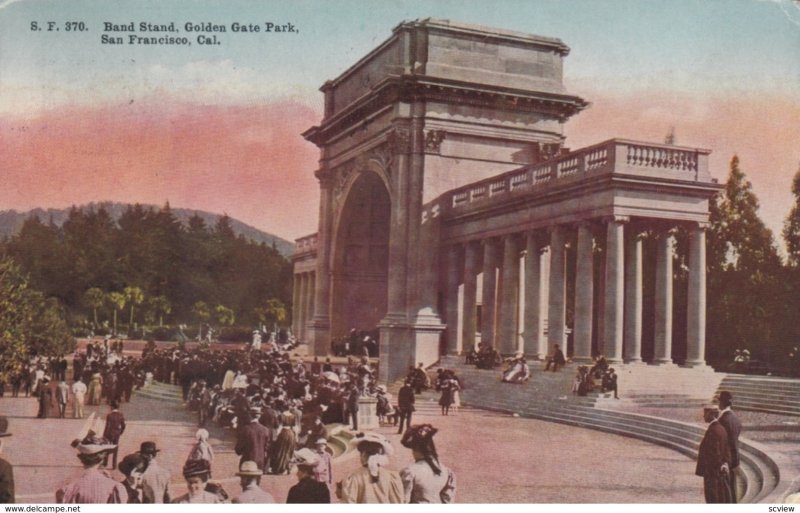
point(426, 481)
point(197, 473)
point(372, 483)
point(93, 486)
point(308, 490)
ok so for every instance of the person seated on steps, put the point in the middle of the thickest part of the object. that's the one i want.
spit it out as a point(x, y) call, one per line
point(556, 360)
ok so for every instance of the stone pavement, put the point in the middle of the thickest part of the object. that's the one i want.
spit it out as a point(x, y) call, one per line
point(496, 457)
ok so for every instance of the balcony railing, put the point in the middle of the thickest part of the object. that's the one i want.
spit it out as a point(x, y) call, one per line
point(305, 244)
point(613, 156)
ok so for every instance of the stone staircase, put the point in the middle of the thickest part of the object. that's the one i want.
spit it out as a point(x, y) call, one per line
point(765, 476)
point(162, 392)
point(763, 393)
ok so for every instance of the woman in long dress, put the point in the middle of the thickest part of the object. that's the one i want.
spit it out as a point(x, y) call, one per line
point(426, 481)
point(446, 399)
point(284, 446)
point(95, 388)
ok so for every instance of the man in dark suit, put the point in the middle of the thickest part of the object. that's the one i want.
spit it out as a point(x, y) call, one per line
point(405, 405)
point(733, 428)
point(252, 440)
point(115, 426)
point(714, 460)
point(6, 470)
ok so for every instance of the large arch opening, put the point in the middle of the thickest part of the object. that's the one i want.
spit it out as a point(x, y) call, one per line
point(361, 257)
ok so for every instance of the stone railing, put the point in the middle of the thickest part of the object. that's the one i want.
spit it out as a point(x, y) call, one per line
point(613, 156)
point(305, 244)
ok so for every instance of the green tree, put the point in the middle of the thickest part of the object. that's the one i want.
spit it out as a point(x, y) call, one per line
point(94, 299)
point(117, 302)
point(28, 322)
point(224, 315)
point(273, 312)
point(745, 292)
point(160, 306)
point(203, 313)
point(791, 226)
point(134, 296)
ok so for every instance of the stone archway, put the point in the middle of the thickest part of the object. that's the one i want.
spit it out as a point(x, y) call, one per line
point(361, 256)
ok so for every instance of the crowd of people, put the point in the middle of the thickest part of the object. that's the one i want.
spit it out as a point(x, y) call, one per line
point(276, 408)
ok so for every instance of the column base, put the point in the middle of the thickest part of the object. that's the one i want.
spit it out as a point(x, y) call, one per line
point(700, 365)
point(318, 337)
point(663, 363)
point(635, 361)
point(405, 344)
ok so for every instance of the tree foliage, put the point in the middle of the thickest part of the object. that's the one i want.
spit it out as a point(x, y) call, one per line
point(745, 290)
point(149, 250)
point(791, 227)
point(29, 323)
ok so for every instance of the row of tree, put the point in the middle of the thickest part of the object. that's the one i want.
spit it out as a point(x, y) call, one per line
point(153, 268)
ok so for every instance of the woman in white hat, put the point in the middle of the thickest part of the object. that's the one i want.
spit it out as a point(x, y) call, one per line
point(93, 486)
point(426, 481)
point(202, 450)
point(372, 483)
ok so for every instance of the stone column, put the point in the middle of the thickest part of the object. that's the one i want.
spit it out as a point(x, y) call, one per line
point(310, 299)
point(633, 299)
point(301, 309)
point(295, 303)
point(319, 337)
point(489, 300)
point(696, 302)
point(471, 267)
point(509, 292)
point(451, 297)
point(663, 321)
point(557, 311)
point(584, 291)
point(615, 286)
point(533, 305)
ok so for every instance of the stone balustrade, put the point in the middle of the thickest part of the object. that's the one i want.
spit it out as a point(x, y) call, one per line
point(306, 244)
point(615, 156)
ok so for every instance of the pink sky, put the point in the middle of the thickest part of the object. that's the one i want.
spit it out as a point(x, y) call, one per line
point(252, 163)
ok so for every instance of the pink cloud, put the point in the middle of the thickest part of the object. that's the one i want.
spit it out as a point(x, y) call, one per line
point(249, 161)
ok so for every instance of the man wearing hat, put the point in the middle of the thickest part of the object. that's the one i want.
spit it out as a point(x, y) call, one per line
point(252, 439)
point(733, 428)
point(250, 480)
point(307, 490)
point(6, 470)
point(94, 486)
point(714, 459)
point(323, 472)
point(115, 426)
point(155, 478)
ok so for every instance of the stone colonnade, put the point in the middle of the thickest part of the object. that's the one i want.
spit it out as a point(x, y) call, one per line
point(303, 301)
point(505, 308)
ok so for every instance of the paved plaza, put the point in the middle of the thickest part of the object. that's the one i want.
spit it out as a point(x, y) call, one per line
point(497, 458)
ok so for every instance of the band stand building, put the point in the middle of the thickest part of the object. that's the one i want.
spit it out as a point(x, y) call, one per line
point(445, 184)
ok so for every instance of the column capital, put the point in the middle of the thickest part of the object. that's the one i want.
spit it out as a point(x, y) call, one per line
point(324, 178)
point(700, 225)
point(616, 219)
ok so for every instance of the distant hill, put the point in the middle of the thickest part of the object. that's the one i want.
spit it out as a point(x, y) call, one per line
point(11, 221)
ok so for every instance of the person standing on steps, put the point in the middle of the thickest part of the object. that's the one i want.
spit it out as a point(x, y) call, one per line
point(405, 405)
point(713, 460)
point(733, 428)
